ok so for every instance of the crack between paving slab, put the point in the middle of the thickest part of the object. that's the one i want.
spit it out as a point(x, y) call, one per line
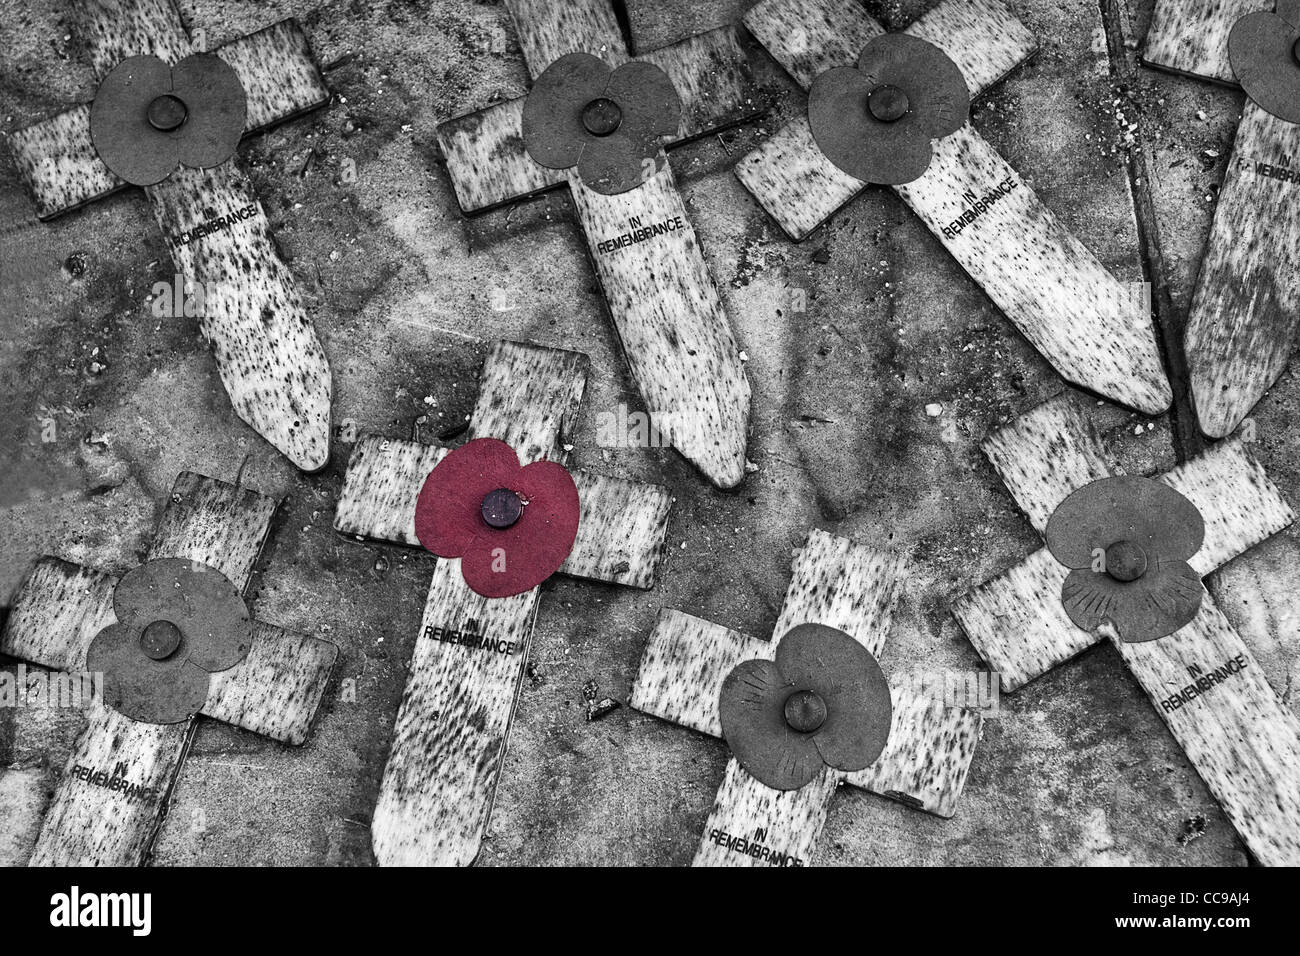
point(1169, 326)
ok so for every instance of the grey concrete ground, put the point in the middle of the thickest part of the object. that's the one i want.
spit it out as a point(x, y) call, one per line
point(1076, 769)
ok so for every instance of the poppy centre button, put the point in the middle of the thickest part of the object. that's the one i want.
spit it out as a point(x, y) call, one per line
point(601, 116)
point(501, 508)
point(167, 112)
point(160, 639)
point(888, 103)
point(1126, 561)
point(805, 711)
point(1295, 52)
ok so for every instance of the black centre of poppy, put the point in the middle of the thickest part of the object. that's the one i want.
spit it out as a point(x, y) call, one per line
point(160, 639)
point(601, 116)
point(805, 711)
point(1126, 561)
point(1295, 52)
point(167, 112)
point(888, 103)
point(501, 508)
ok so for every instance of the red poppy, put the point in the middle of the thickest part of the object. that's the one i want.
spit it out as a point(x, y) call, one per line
point(511, 526)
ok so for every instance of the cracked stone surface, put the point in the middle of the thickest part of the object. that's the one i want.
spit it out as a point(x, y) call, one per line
point(849, 337)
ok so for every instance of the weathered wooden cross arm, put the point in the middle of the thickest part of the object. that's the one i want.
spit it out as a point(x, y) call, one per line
point(666, 311)
point(1242, 739)
point(269, 358)
point(455, 717)
point(275, 691)
point(1092, 328)
point(1246, 307)
point(843, 585)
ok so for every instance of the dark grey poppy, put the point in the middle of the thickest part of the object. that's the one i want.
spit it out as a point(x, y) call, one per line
point(822, 702)
point(178, 622)
point(609, 123)
point(149, 117)
point(1128, 541)
point(1264, 50)
point(876, 121)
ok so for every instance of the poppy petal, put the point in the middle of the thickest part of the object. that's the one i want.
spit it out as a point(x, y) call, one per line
point(1159, 603)
point(751, 708)
point(846, 676)
point(649, 103)
point(618, 165)
point(211, 90)
point(156, 692)
point(119, 123)
point(1261, 50)
point(207, 608)
point(1125, 508)
point(448, 510)
point(552, 122)
point(510, 561)
point(934, 84)
point(855, 141)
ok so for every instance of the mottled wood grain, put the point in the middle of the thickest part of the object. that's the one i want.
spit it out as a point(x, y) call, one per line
point(928, 756)
point(380, 488)
point(809, 37)
point(1045, 455)
point(1240, 735)
point(528, 397)
point(844, 585)
point(455, 716)
point(682, 668)
point(267, 352)
point(711, 75)
point(930, 744)
point(275, 691)
point(486, 160)
point(1016, 620)
point(57, 613)
point(671, 324)
point(1095, 331)
point(452, 726)
point(56, 157)
point(1191, 36)
point(781, 827)
point(788, 175)
point(548, 30)
point(266, 349)
point(91, 824)
point(484, 151)
point(58, 163)
point(112, 30)
point(1246, 307)
point(1242, 739)
point(665, 307)
point(279, 74)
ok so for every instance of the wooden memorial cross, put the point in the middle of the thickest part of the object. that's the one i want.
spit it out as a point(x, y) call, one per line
point(1240, 736)
point(114, 792)
point(841, 584)
point(1064, 301)
point(1247, 301)
point(662, 299)
point(455, 716)
point(269, 358)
